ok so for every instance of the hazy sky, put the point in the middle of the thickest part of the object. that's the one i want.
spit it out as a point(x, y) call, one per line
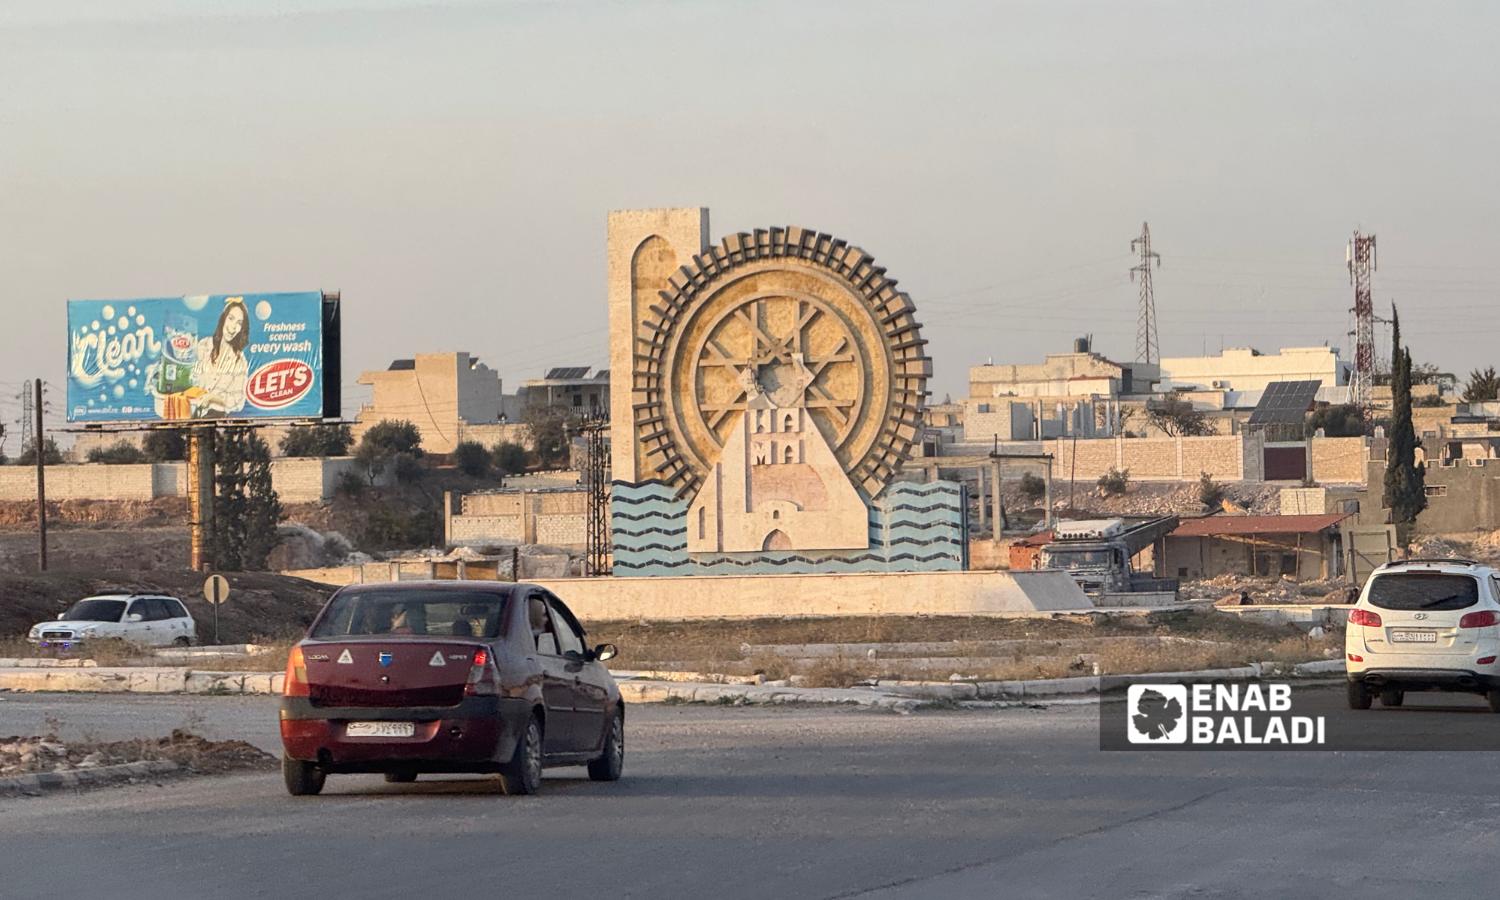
point(448, 166)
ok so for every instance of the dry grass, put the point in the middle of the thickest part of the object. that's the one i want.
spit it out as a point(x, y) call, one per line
point(837, 671)
point(1217, 641)
point(112, 652)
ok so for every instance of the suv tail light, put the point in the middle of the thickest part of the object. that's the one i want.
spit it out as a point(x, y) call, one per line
point(1364, 617)
point(482, 680)
point(295, 684)
point(1482, 619)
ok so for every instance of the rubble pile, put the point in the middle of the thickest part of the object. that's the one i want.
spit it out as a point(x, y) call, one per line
point(1227, 590)
point(27, 755)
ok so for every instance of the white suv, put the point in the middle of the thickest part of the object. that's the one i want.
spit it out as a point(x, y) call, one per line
point(1425, 625)
point(149, 619)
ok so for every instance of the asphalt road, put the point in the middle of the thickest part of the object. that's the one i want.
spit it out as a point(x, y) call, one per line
point(747, 802)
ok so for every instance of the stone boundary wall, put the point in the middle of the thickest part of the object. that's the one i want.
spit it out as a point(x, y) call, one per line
point(557, 518)
point(1337, 460)
point(1230, 457)
point(296, 480)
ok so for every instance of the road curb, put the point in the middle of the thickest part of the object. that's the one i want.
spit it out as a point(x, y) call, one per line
point(41, 782)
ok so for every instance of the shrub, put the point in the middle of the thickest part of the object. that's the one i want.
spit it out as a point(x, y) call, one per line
point(318, 440)
point(122, 453)
point(408, 468)
point(1034, 489)
point(1114, 482)
point(472, 459)
point(1210, 492)
point(349, 484)
point(510, 458)
point(386, 528)
point(165, 444)
point(384, 442)
point(50, 454)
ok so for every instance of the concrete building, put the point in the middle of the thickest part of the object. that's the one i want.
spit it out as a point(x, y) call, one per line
point(1243, 372)
point(1305, 547)
point(1077, 393)
point(577, 388)
point(443, 394)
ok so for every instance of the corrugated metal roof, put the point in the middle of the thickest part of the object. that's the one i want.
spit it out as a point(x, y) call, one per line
point(1214, 526)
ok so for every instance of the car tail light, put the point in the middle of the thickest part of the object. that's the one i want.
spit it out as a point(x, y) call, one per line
point(1355, 657)
point(296, 675)
point(1364, 617)
point(482, 680)
point(1482, 619)
point(1484, 660)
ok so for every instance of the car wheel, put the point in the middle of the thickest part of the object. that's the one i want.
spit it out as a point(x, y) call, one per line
point(303, 779)
point(612, 762)
point(1494, 698)
point(1392, 697)
point(182, 642)
point(400, 777)
point(1359, 695)
point(523, 774)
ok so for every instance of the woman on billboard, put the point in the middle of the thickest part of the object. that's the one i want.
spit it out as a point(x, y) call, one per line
point(220, 370)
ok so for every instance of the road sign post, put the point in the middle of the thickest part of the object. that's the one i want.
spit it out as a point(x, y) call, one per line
point(216, 591)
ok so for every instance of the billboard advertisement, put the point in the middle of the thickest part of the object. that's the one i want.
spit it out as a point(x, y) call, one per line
point(207, 356)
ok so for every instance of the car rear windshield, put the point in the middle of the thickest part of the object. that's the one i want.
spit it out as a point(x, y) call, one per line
point(407, 613)
point(1424, 590)
point(95, 609)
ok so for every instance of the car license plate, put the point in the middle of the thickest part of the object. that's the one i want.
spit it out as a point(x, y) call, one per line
point(1408, 636)
point(380, 729)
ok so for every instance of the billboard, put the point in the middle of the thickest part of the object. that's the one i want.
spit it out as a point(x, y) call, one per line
point(213, 356)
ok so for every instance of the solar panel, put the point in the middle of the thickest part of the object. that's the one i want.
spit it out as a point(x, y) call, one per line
point(1285, 402)
point(566, 373)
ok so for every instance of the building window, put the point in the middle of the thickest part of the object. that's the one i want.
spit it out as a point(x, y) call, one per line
point(984, 407)
point(786, 456)
point(1436, 490)
point(577, 400)
point(702, 522)
point(787, 423)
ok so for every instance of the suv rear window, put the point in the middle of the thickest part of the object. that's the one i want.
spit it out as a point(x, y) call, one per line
point(407, 613)
point(1424, 590)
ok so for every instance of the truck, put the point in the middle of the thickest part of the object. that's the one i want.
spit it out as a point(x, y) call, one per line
point(1097, 554)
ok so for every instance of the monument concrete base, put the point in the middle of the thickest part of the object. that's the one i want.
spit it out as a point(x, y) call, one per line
point(864, 594)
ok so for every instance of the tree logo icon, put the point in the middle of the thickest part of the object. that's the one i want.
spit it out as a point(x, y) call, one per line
point(1157, 713)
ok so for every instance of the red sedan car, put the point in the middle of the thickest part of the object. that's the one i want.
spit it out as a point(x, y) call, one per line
point(449, 676)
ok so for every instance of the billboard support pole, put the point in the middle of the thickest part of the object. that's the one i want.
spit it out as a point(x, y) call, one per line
point(200, 495)
point(38, 445)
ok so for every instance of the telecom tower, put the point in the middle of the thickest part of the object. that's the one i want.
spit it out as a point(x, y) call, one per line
point(28, 414)
point(1360, 255)
point(1147, 346)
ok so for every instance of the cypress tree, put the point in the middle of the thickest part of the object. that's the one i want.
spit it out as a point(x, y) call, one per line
point(262, 505)
point(229, 500)
point(1404, 479)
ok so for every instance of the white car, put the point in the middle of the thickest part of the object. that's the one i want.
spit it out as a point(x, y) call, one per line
point(1425, 625)
point(148, 619)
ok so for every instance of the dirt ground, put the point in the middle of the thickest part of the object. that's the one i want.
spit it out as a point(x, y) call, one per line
point(137, 548)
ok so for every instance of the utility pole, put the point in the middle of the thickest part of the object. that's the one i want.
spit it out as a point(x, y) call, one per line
point(1360, 257)
point(1147, 345)
point(39, 446)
